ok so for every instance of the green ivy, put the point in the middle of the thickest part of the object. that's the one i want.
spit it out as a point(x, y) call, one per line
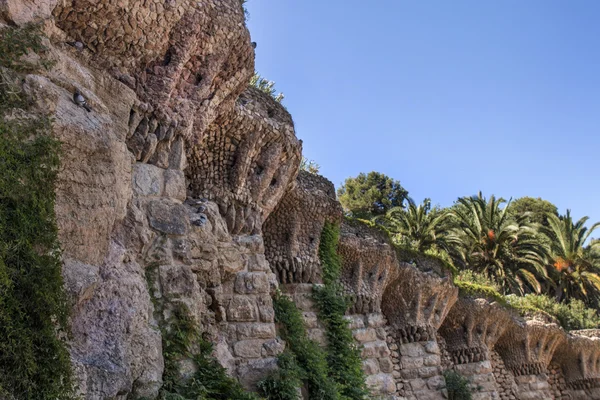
point(343, 355)
point(284, 384)
point(310, 358)
point(34, 361)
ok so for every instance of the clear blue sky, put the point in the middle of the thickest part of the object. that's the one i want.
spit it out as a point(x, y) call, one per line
point(448, 97)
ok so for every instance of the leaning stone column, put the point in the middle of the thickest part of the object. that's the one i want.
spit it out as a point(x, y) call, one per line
point(470, 330)
point(415, 305)
point(579, 359)
point(527, 348)
point(369, 264)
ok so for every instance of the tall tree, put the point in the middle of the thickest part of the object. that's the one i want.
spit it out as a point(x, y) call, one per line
point(370, 195)
point(489, 241)
point(417, 226)
point(575, 267)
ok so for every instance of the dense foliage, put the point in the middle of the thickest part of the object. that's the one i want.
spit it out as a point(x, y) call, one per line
point(574, 268)
point(418, 226)
point(521, 247)
point(34, 362)
point(343, 356)
point(370, 195)
point(309, 356)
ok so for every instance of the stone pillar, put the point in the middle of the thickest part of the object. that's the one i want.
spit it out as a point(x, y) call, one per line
point(505, 380)
point(369, 264)
point(369, 331)
point(293, 231)
point(579, 361)
point(415, 304)
point(471, 328)
point(527, 348)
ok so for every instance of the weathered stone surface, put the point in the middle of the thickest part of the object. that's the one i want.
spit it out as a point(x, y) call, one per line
point(369, 264)
point(293, 231)
point(246, 161)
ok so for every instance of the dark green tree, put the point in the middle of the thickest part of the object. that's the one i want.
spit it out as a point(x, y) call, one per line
point(370, 195)
point(537, 209)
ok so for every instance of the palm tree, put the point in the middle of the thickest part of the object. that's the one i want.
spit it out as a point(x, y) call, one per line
point(417, 226)
point(575, 267)
point(489, 240)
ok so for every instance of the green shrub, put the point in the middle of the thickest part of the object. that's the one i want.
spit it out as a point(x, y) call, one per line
point(34, 361)
point(343, 355)
point(457, 386)
point(284, 384)
point(572, 315)
point(475, 284)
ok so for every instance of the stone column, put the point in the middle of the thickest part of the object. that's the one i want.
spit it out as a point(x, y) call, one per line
point(415, 305)
point(527, 348)
point(579, 359)
point(369, 264)
point(471, 328)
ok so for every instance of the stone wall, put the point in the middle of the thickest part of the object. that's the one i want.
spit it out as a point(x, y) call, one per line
point(181, 190)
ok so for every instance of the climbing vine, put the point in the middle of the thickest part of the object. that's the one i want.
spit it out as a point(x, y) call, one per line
point(34, 361)
point(343, 355)
point(308, 362)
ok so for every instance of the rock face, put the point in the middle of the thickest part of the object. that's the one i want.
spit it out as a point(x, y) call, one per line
point(181, 191)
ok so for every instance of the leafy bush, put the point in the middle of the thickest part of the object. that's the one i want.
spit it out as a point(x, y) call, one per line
point(182, 340)
point(572, 315)
point(34, 361)
point(284, 384)
point(471, 283)
point(457, 386)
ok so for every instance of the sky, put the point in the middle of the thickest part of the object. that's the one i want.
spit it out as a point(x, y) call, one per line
point(448, 97)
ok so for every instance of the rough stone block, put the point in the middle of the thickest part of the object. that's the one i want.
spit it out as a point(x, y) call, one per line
point(175, 187)
point(147, 180)
point(381, 384)
point(251, 283)
point(386, 365)
point(412, 350)
point(273, 347)
point(248, 348)
point(241, 309)
point(365, 335)
point(370, 366)
point(377, 349)
point(167, 217)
